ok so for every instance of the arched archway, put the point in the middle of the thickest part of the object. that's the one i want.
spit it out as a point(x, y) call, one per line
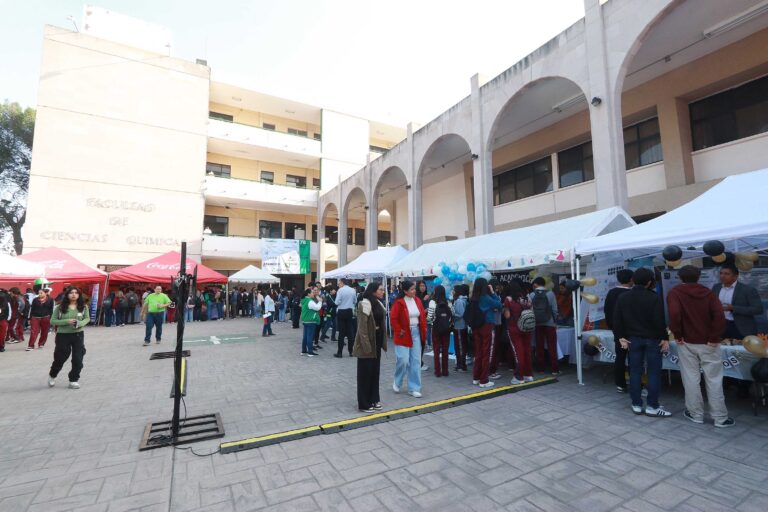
point(355, 213)
point(444, 181)
point(327, 238)
point(390, 194)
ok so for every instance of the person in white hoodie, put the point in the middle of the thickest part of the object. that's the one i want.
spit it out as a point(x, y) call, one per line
point(269, 314)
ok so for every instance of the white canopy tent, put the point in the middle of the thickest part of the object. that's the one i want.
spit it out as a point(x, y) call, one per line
point(370, 263)
point(542, 244)
point(11, 266)
point(253, 274)
point(734, 211)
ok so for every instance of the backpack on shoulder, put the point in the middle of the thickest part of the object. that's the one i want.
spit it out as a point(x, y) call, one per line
point(443, 322)
point(527, 321)
point(474, 315)
point(542, 311)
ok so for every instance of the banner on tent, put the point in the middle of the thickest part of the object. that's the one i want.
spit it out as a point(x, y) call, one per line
point(603, 268)
point(279, 256)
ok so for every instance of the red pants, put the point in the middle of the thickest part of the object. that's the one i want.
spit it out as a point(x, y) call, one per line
point(17, 327)
point(546, 335)
point(170, 315)
point(503, 350)
point(521, 343)
point(460, 348)
point(3, 332)
point(484, 341)
point(440, 343)
point(39, 325)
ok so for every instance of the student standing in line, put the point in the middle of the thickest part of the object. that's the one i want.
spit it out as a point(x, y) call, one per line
point(310, 317)
point(485, 299)
point(544, 306)
point(460, 294)
point(422, 294)
point(440, 321)
point(5, 318)
point(346, 298)
point(70, 318)
point(409, 327)
point(41, 310)
point(369, 342)
point(269, 314)
point(515, 303)
point(624, 277)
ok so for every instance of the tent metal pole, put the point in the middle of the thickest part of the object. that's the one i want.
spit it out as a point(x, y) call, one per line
point(101, 304)
point(577, 326)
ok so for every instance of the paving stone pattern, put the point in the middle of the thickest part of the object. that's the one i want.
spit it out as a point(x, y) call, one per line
point(557, 447)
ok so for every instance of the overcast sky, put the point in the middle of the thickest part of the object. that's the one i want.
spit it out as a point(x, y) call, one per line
point(394, 61)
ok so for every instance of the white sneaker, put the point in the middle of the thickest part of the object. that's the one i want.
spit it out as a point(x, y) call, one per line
point(74, 385)
point(395, 388)
point(29, 349)
point(424, 367)
point(528, 379)
point(637, 409)
point(475, 382)
point(494, 376)
point(51, 382)
point(515, 382)
point(488, 384)
point(659, 412)
point(415, 394)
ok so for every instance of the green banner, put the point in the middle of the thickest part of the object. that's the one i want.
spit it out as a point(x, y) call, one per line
point(304, 261)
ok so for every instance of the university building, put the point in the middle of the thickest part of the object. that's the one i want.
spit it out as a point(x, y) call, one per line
point(640, 104)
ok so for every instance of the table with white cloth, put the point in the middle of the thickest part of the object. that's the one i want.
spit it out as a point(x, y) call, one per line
point(737, 361)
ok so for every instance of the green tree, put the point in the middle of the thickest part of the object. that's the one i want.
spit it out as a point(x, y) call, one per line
point(17, 126)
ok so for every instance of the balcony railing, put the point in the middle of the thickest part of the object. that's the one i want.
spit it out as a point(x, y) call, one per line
point(255, 194)
point(214, 118)
point(288, 149)
point(266, 182)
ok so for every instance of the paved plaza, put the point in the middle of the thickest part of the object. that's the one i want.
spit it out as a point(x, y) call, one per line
point(555, 447)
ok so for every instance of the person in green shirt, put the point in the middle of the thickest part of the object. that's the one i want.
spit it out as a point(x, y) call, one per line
point(310, 317)
point(70, 318)
point(154, 306)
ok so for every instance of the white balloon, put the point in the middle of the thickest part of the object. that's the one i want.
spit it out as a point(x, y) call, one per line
point(462, 268)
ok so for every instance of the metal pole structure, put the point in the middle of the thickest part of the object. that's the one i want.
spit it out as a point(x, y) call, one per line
point(577, 326)
point(181, 292)
point(101, 304)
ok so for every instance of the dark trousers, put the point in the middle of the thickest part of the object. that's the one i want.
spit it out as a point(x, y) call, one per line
point(66, 344)
point(368, 372)
point(440, 344)
point(316, 336)
point(295, 317)
point(306, 341)
point(267, 325)
point(546, 337)
point(460, 348)
point(620, 366)
point(644, 352)
point(344, 320)
point(502, 350)
point(130, 315)
point(156, 320)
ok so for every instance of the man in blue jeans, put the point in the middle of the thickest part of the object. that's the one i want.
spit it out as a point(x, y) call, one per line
point(155, 305)
point(639, 322)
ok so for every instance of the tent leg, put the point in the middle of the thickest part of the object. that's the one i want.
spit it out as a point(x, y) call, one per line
point(578, 323)
point(101, 304)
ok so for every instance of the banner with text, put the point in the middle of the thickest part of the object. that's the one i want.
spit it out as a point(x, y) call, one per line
point(280, 256)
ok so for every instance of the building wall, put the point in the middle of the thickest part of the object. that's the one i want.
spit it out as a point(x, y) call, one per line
point(124, 150)
point(245, 169)
point(444, 206)
point(254, 118)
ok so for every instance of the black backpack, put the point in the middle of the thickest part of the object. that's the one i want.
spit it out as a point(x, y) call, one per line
point(474, 315)
point(443, 322)
point(542, 311)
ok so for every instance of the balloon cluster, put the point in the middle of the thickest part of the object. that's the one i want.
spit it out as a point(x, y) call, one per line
point(455, 273)
point(757, 345)
point(715, 249)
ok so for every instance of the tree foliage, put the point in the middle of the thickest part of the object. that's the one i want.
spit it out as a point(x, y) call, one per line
point(17, 126)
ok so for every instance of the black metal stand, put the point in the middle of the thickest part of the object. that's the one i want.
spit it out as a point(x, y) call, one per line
point(196, 428)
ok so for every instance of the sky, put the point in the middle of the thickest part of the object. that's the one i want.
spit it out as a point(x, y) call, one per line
point(394, 61)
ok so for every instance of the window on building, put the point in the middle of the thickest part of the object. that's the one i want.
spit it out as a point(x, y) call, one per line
point(220, 170)
point(294, 231)
point(296, 181)
point(576, 165)
point(350, 236)
point(268, 126)
point(332, 234)
point(316, 183)
point(218, 225)
point(294, 131)
point(317, 136)
point(267, 177)
point(730, 115)
point(525, 181)
point(220, 116)
point(314, 232)
point(359, 236)
point(270, 229)
point(642, 143)
point(384, 238)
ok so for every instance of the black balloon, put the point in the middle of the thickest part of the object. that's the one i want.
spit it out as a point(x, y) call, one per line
point(714, 248)
point(672, 253)
point(590, 350)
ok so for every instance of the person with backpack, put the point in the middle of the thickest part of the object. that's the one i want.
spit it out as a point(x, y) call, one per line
point(133, 301)
point(41, 310)
point(409, 328)
point(502, 346)
point(122, 308)
point(480, 317)
point(16, 325)
point(5, 317)
point(460, 293)
point(440, 318)
point(521, 322)
point(107, 310)
point(544, 306)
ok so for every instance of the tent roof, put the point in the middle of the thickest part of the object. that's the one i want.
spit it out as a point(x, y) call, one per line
point(253, 274)
point(541, 244)
point(161, 269)
point(370, 263)
point(15, 268)
point(60, 266)
point(734, 211)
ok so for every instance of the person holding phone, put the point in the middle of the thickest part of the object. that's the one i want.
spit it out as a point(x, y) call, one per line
point(70, 318)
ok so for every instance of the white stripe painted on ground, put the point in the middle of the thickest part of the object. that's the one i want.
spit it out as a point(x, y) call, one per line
point(215, 340)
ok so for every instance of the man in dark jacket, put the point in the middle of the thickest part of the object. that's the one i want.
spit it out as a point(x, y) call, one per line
point(639, 323)
point(624, 277)
point(696, 319)
point(741, 304)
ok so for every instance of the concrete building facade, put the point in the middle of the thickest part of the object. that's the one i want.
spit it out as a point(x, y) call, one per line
point(643, 105)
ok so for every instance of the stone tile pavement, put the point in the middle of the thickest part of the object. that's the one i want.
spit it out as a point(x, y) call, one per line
point(557, 447)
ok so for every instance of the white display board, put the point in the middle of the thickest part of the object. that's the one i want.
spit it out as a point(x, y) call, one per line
point(603, 268)
point(280, 256)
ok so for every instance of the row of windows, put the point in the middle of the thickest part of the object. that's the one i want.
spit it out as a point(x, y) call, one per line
point(225, 171)
point(267, 126)
point(295, 231)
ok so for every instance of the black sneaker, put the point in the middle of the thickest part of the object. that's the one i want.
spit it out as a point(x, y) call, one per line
point(338, 355)
point(728, 422)
point(368, 411)
point(314, 354)
point(693, 418)
point(378, 406)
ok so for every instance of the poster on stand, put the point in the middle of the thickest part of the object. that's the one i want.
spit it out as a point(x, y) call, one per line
point(603, 268)
point(279, 256)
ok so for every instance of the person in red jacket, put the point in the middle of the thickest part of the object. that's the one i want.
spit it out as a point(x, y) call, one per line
point(696, 319)
point(409, 327)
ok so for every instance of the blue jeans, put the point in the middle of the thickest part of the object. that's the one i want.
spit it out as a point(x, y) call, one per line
point(109, 315)
point(409, 362)
point(220, 309)
point(154, 319)
point(307, 340)
point(281, 317)
point(212, 311)
point(644, 352)
point(429, 335)
point(330, 322)
point(267, 325)
point(188, 315)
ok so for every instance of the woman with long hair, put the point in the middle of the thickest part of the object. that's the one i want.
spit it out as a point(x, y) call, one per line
point(422, 293)
point(460, 298)
point(5, 317)
point(310, 317)
point(41, 310)
point(409, 328)
point(440, 321)
point(269, 314)
point(484, 298)
point(70, 318)
point(515, 302)
point(369, 342)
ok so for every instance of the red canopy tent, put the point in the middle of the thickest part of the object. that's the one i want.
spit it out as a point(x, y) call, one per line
point(60, 267)
point(164, 267)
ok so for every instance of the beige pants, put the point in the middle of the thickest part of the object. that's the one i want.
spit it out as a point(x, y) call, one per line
point(710, 361)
